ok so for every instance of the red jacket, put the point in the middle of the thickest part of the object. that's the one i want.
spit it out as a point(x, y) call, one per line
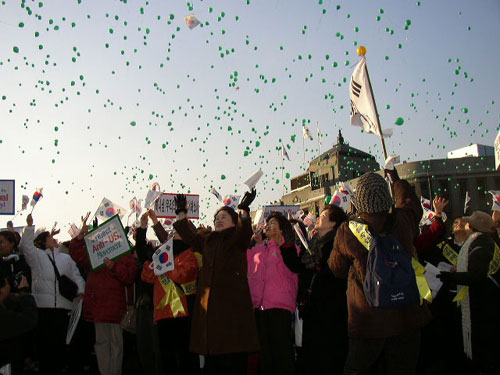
point(185, 271)
point(429, 236)
point(105, 300)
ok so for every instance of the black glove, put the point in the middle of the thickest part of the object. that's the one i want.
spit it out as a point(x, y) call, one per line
point(444, 276)
point(180, 204)
point(95, 223)
point(247, 200)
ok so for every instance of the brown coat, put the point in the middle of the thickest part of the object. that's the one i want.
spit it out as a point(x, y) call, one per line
point(223, 318)
point(348, 260)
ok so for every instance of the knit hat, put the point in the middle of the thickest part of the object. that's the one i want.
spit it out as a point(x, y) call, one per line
point(372, 194)
point(480, 221)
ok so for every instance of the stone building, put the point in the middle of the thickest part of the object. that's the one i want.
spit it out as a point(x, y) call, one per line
point(451, 177)
point(338, 164)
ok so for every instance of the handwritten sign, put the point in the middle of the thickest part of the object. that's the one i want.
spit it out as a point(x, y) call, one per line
point(7, 191)
point(165, 206)
point(108, 240)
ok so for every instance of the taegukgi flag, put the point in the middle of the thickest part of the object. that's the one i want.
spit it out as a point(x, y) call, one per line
point(363, 113)
point(163, 258)
point(306, 133)
point(108, 209)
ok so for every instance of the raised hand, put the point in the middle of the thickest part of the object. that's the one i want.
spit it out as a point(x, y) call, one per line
point(247, 200)
point(180, 204)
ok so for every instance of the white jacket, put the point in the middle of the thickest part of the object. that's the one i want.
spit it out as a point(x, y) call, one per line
point(45, 287)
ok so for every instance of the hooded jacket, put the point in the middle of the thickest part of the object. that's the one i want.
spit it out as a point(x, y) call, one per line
point(45, 287)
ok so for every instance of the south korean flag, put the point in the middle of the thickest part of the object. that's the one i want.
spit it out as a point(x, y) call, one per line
point(163, 258)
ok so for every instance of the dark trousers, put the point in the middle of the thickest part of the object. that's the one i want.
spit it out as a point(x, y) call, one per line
point(232, 363)
point(51, 340)
point(174, 346)
point(275, 335)
point(147, 342)
point(397, 355)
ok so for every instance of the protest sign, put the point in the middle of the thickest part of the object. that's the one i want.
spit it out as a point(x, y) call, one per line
point(7, 191)
point(165, 206)
point(74, 318)
point(108, 240)
point(262, 214)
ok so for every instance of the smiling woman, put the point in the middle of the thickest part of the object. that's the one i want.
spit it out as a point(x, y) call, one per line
point(223, 326)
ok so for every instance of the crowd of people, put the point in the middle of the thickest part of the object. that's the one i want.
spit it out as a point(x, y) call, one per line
point(346, 295)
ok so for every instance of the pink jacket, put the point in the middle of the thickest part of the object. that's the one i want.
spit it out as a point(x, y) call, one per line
point(272, 284)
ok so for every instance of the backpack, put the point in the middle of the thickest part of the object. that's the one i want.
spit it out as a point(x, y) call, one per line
point(390, 280)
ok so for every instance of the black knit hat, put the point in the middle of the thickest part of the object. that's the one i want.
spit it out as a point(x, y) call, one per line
point(372, 194)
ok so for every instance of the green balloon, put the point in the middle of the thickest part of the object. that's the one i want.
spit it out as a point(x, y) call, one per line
point(399, 121)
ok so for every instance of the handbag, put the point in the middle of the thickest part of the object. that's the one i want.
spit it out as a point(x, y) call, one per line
point(128, 322)
point(67, 287)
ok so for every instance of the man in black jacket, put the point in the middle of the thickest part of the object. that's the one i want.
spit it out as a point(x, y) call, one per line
point(18, 315)
point(480, 297)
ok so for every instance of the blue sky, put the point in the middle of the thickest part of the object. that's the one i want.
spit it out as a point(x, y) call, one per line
point(110, 97)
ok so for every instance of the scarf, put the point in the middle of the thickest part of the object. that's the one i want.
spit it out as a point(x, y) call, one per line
point(462, 266)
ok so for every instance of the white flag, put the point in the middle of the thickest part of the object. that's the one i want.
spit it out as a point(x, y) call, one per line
point(284, 154)
point(253, 179)
point(320, 137)
point(231, 201)
point(108, 209)
point(306, 133)
point(467, 200)
point(153, 194)
point(163, 258)
point(496, 199)
point(216, 193)
point(73, 230)
point(362, 103)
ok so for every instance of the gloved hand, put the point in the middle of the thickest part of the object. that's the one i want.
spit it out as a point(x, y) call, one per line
point(247, 200)
point(180, 204)
point(444, 276)
point(392, 173)
point(95, 223)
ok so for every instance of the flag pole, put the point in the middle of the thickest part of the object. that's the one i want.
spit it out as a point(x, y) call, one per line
point(319, 143)
point(362, 52)
point(282, 168)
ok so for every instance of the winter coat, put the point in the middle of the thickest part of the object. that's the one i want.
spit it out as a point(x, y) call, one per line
point(45, 287)
point(348, 260)
point(144, 251)
point(185, 271)
point(272, 284)
point(484, 299)
point(105, 300)
point(18, 315)
point(223, 318)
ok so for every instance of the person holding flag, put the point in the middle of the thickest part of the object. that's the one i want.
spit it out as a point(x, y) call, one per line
point(174, 293)
point(105, 301)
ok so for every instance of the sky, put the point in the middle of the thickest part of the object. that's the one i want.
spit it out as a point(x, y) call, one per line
point(104, 98)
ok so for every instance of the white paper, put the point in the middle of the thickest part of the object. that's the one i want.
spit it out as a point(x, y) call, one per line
point(446, 267)
point(431, 273)
point(74, 318)
point(253, 179)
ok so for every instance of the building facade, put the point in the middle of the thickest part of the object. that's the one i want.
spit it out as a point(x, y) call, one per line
point(451, 178)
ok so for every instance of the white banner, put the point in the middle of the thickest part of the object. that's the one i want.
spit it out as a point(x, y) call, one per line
point(108, 240)
point(7, 195)
point(165, 206)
